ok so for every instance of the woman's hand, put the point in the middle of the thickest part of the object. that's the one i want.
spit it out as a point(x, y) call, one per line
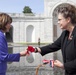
point(24, 53)
point(58, 64)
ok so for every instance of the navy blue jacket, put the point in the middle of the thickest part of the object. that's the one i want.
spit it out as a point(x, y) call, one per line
point(4, 56)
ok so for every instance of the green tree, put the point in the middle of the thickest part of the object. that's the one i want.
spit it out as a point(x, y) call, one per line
point(27, 9)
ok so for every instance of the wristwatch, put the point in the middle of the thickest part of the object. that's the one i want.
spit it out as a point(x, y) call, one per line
point(36, 50)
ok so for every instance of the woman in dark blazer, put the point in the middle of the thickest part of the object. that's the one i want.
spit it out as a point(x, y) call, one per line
point(66, 42)
point(5, 24)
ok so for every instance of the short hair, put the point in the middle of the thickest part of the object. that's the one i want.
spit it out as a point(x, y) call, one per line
point(68, 11)
point(4, 20)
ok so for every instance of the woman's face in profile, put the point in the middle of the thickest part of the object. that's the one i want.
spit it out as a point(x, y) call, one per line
point(8, 26)
point(62, 21)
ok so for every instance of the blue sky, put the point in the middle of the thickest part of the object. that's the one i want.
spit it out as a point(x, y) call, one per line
point(16, 6)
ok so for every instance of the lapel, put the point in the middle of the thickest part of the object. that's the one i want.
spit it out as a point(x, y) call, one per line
point(3, 36)
point(64, 46)
point(65, 40)
point(74, 32)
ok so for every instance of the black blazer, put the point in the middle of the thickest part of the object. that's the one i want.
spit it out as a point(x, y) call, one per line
point(68, 48)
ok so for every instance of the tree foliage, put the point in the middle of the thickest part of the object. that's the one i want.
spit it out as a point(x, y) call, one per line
point(27, 9)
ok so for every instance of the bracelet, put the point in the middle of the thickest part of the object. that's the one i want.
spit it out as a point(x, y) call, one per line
point(36, 50)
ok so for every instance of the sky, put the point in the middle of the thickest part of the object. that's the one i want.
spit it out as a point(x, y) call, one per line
point(16, 6)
